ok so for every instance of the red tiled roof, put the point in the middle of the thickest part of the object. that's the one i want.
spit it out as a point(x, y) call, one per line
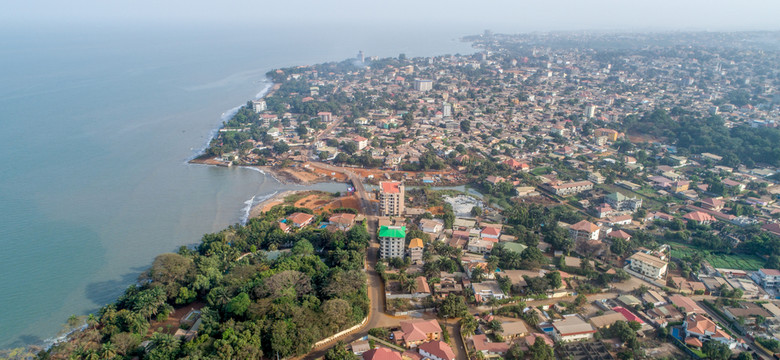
point(698, 216)
point(481, 344)
point(418, 330)
point(422, 285)
point(585, 225)
point(713, 202)
point(693, 341)
point(773, 228)
point(628, 314)
point(381, 354)
point(619, 218)
point(393, 187)
point(699, 324)
point(531, 339)
point(620, 234)
point(491, 231)
point(412, 355)
point(439, 349)
point(460, 233)
point(300, 218)
point(342, 218)
point(771, 272)
point(686, 303)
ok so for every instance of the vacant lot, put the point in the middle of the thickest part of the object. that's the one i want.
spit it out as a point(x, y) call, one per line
point(648, 202)
point(725, 261)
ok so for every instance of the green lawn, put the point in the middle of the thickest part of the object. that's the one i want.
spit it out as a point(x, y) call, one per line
point(649, 203)
point(735, 261)
point(541, 170)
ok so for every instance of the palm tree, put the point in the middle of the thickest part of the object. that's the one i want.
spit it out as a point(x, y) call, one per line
point(468, 325)
point(80, 352)
point(493, 302)
point(165, 342)
point(532, 318)
point(91, 355)
point(410, 285)
point(107, 351)
point(220, 296)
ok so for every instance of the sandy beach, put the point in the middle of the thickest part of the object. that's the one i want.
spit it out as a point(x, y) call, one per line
point(270, 202)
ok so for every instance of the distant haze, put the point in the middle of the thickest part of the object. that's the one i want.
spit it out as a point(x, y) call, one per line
point(499, 16)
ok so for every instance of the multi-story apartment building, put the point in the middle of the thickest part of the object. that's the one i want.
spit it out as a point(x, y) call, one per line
point(391, 241)
point(584, 231)
point(567, 189)
point(416, 247)
point(620, 202)
point(391, 198)
point(769, 278)
point(423, 84)
point(648, 265)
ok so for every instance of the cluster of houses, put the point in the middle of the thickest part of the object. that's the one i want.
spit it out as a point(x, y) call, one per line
point(413, 340)
point(337, 221)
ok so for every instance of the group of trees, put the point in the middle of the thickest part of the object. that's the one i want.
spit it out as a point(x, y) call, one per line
point(253, 306)
point(528, 218)
point(626, 333)
point(428, 161)
point(530, 258)
point(694, 134)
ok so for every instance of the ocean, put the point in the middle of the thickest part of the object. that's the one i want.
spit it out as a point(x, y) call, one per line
point(97, 128)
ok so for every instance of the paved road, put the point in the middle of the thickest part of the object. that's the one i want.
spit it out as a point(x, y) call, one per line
point(368, 207)
point(309, 152)
point(376, 316)
point(459, 348)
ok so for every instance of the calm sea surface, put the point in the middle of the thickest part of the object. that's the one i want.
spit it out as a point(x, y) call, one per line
point(95, 129)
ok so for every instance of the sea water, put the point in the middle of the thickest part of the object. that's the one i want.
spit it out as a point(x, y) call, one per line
point(96, 127)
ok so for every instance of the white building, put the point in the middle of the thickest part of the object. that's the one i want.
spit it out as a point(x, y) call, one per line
point(392, 241)
point(480, 246)
point(648, 265)
point(446, 110)
point(259, 105)
point(423, 84)
point(570, 188)
point(768, 278)
point(572, 328)
point(488, 289)
point(590, 111)
point(584, 231)
point(703, 329)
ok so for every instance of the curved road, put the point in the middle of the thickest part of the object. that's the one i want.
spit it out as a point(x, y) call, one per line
point(376, 316)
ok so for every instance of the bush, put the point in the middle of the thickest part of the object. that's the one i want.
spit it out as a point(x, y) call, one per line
point(770, 344)
point(381, 333)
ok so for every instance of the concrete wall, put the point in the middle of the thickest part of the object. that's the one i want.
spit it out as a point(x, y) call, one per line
point(342, 333)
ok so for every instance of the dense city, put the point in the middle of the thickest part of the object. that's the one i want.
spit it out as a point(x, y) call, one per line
point(559, 195)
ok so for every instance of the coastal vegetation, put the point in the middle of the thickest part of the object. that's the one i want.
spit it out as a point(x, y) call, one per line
point(251, 304)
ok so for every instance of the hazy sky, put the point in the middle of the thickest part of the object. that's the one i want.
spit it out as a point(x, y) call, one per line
point(500, 15)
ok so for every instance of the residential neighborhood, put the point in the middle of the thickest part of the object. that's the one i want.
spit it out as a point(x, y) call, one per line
point(535, 200)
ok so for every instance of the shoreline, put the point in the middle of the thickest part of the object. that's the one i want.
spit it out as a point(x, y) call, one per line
point(282, 175)
point(269, 89)
point(267, 204)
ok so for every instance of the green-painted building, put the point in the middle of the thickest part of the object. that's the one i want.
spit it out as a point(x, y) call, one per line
point(392, 240)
